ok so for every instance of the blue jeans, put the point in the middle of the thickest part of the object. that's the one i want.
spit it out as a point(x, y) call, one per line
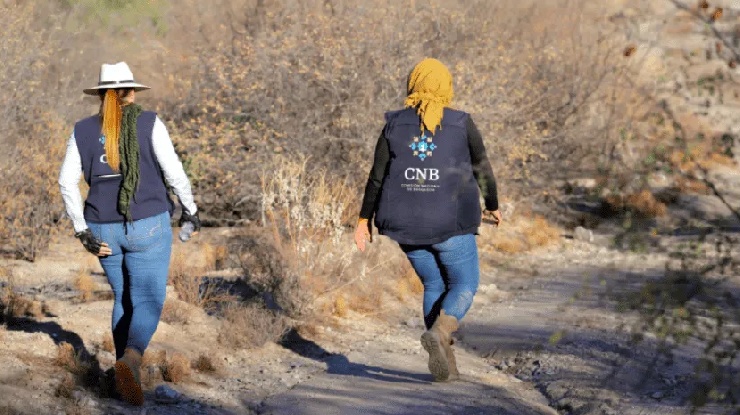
point(450, 273)
point(137, 272)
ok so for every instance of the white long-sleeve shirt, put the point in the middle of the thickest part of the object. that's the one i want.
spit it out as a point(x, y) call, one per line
point(164, 151)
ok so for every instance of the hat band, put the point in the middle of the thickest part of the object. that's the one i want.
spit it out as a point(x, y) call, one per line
point(115, 82)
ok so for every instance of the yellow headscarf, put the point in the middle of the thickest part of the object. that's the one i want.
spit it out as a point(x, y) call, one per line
point(430, 88)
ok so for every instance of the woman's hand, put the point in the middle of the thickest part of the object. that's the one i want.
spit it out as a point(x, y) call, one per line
point(194, 219)
point(93, 244)
point(363, 234)
point(493, 216)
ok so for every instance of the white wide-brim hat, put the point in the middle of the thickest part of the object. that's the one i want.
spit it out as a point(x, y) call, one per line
point(116, 76)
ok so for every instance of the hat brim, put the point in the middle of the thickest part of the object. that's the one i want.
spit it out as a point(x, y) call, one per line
point(136, 87)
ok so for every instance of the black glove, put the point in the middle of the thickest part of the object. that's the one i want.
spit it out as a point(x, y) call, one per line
point(89, 241)
point(187, 217)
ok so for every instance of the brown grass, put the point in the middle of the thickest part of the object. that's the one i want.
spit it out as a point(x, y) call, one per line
point(309, 262)
point(251, 326)
point(154, 357)
point(204, 364)
point(643, 203)
point(85, 369)
point(408, 284)
point(340, 307)
point(176, 312)
point(509, 244)
point(68, 359)
point(520, 233)
point(190, 284)
point(176, 368)
point(539, 232)
point(85, 284)
point(716, 159)
point(691, 186)
point(16, 305)
point(214, 256)
point(367, 300)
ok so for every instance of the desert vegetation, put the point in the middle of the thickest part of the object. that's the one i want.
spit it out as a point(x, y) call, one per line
point(274, 108)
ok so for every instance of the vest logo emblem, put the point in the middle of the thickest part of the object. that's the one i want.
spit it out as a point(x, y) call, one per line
point(102, 139)
point(422, 146)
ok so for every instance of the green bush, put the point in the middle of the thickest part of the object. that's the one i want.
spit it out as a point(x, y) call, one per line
point(120, 14)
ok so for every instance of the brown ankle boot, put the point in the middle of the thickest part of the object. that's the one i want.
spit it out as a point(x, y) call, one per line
point(128, 377)
point(436, 342)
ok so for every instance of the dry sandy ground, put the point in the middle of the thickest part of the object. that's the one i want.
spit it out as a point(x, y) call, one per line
point(364, 365)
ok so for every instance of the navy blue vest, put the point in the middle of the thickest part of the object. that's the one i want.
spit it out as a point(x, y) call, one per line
point(101, 206)
point(429, 193)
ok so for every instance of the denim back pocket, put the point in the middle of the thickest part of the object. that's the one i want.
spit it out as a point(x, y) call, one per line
point(144, 233)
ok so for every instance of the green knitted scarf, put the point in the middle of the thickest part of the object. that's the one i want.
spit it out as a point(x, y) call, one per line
point(129, 151)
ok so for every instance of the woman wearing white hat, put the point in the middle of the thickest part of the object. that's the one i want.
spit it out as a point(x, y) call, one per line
point(127, 158)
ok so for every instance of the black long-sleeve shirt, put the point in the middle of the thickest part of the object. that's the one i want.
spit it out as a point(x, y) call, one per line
point(481, 170)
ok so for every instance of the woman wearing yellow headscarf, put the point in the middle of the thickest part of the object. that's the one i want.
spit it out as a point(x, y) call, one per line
point(423, 191)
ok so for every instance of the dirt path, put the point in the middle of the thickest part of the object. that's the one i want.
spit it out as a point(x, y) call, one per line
point(385, 372)
point(543, 337)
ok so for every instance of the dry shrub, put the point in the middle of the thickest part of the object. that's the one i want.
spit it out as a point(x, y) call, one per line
point(31, 205)
point(66, 387)
point(214, 256)
point(107, 343)
point(118, 14)
point(85, 368)
point(539, 232)
point(251, 326)
point(304, 211)
point(176, 312)
point(305, 76)
point(717, 159)
point(340, 307)
point(192, 287)
point(509, 244)
point(367, 299)
point(15, 305)
point(520, 233)
point(408, 283)
point(302, 254)
point(382, 281)
point(204, 364)
point(154, 357)
point(68, 358)
point(174, 367)
point(643, 203)
point(691, 186)
point(85, 284)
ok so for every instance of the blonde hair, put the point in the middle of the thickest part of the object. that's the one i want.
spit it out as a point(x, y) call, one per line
point(111, 113)
point(430, 91)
